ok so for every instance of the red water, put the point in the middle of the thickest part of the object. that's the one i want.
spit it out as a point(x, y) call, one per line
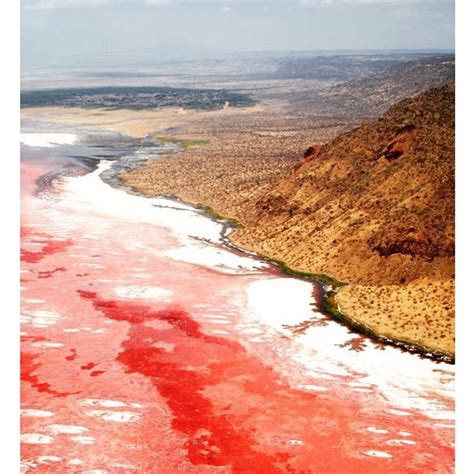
point(152, 385)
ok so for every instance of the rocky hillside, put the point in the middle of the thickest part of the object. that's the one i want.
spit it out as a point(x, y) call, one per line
point(375, 209)
point(367, 97)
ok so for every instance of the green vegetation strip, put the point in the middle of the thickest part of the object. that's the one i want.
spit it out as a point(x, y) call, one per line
point(184, 143)
point(213, 214)
point(331, 307)
point(299, 274)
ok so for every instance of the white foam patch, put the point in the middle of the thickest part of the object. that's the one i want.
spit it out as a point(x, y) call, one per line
point(31, 412)
point(35, 438)
point(251, 331)
point(47, 459)
point(47, 344)
point(407, 381)
point(359, 384)
point(220, 260)
point(218, 321)
point(47, 140)
point(220, 332)
point(280, 301)
point(83, 439)
point(41, 318)
point(166, 346)
point(445, 425)
point(144, 292)
point(399, 412)
point(122, 465)
point(378, 454)
point(105, 403)
point(373, 429)
point(296, 442)
point(115, 416)
point(312, 388)
point(65, 429)
point(401, 442)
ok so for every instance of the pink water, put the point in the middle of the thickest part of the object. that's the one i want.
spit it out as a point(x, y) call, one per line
point(137, 360)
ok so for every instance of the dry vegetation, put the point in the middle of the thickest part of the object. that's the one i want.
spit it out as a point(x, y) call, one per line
point(373, 208)
point(244, 155)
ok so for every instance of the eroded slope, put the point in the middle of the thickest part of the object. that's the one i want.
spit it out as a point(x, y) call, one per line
point(375, 208)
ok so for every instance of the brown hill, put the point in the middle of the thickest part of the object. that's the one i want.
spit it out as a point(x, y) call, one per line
point(366, 98)
point(375, 208)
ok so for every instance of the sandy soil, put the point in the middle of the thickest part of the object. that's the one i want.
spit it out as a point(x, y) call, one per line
point(401, 312)
point(136, 123)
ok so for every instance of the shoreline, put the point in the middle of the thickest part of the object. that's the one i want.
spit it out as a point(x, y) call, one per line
point(327, 285)
point(158, 122)
point(331, 308)
point(273, 322)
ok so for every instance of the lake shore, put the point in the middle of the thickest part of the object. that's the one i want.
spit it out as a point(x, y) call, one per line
point(134, 310)
point(229, 159)
point(416, 315)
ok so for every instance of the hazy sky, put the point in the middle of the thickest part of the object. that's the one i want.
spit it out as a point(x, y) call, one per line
point(60, 31)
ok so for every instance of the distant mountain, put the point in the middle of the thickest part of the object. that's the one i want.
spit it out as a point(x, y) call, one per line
point(337, 67)
point(375, 208)
point(367, 97)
